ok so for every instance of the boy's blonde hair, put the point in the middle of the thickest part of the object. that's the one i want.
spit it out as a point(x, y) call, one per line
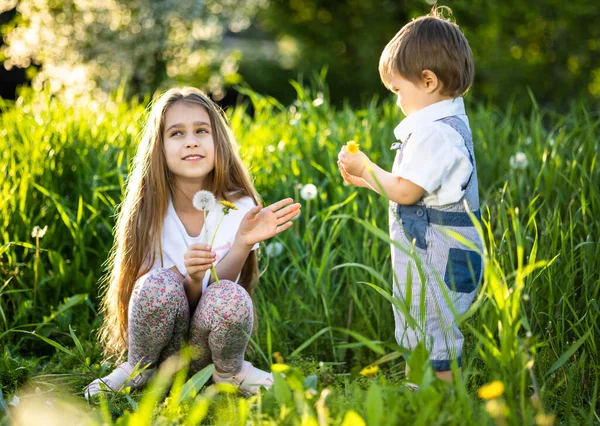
point(149, 188)
point(432, 42)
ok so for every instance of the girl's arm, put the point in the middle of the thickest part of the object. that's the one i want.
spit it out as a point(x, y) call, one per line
point(259, 224)
point(231, 265)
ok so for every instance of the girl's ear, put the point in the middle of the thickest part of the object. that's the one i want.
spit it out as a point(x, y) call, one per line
point(430, 81)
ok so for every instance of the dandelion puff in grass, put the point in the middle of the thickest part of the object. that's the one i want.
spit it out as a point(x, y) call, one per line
point(38, 232)
point(369, 370)
point(274, 249)
point(518, 161)
point(308, 192)
point(204, 200)
point(352, 147)
point(492, 390)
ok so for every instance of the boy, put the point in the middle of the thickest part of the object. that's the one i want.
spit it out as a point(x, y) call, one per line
point(433, 183)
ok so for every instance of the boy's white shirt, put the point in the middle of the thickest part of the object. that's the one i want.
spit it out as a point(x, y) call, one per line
point(176, 240)
point(435, 157)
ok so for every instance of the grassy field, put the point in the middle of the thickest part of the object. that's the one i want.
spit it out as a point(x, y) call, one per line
point(323, 302)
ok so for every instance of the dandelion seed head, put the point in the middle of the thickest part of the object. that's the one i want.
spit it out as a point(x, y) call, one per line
point(519, 161)
point(528, 140)
point(38, 232)
point(204, 200)
point(274, 249)
point(319, 100)
point(308, 192)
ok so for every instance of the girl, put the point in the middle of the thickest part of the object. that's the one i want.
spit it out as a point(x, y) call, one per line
point(158, 291)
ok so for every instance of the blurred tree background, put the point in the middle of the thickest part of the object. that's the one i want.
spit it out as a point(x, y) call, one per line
point(94, 46)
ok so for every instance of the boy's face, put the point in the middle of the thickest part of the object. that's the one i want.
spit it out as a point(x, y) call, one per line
point(411, 97)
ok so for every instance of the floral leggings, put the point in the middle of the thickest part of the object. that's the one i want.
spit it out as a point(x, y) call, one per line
point(159, 322)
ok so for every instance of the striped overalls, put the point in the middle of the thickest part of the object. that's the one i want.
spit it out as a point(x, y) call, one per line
point(451, 271)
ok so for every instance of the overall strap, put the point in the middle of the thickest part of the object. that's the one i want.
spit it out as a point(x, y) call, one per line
point(463, 130)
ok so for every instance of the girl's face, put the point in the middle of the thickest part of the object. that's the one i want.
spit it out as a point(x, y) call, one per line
point(188, 142)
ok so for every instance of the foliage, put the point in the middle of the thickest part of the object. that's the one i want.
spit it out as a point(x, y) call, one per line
point(94, 46)
point(516, 45)
point(324, 301)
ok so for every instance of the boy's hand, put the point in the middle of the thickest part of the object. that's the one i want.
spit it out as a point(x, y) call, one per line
point(353, 164)
point(197, 260)
point(352, 180)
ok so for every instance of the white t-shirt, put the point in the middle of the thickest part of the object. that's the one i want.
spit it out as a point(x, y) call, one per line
point(435, 156)
point(175, 239)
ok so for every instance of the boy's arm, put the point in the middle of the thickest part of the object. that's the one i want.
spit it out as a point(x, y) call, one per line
point(401, 191)
point(360, 168)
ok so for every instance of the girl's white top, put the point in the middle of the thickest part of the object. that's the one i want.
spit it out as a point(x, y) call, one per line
point(175, 239)
point(435, 157)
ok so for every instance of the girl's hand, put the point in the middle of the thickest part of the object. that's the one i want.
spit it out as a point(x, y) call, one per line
point(354, 164)
point(197, 260)
point(260, 224)
point(352, 180)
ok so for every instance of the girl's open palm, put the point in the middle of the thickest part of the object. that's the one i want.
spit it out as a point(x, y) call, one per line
point(262, 223)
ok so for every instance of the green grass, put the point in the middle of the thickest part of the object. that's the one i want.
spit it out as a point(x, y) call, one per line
point(535, 325)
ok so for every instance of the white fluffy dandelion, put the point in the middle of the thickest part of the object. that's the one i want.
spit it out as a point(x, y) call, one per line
point(274, 249)
point(518, 161)
point(38, 232)
point(204, 200)
point(308, 192)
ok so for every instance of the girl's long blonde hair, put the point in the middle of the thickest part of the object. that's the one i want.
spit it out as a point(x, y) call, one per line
point(149, 188)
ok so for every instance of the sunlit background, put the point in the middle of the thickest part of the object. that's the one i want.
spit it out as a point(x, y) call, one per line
point(548, 48)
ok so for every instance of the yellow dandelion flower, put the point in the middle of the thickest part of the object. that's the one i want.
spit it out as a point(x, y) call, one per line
point(278, 357)
point(279, 368)
point(352, 147)
point(491, 390)
point(228, 205)
point(370, 370)
point(352, 418)
point(496, 408)
point(544, 419)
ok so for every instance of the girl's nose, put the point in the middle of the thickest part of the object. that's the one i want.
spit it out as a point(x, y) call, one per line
point(191, 142)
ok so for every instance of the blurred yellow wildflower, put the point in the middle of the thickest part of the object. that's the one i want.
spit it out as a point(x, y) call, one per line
point(352, 147)
point(279, 368)
point(496, 408)
point(352, 418)
point(491, 390)
point(278, 357)
point(369, 370)
point(544, 419)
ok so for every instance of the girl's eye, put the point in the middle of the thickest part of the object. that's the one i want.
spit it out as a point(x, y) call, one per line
point(175, 133)
point(202, 130)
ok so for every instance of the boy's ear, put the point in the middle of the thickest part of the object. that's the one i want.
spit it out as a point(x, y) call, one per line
point(430, 81)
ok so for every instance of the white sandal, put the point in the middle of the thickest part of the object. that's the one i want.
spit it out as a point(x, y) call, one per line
point(249, 380)
point(118, 379)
